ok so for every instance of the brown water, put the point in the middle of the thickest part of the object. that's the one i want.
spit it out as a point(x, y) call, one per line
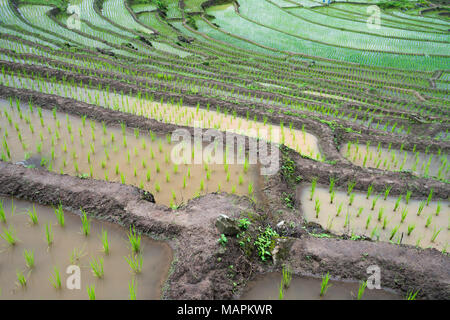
point(267, 287)
point(419, 163)
point(348, 222)
point(299, 140)
point(143, 159)
point(157, 257)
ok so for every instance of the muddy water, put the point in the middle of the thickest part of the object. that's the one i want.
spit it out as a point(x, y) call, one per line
point(267, 287)
point(419, 163)
point(106, 153)
point(299, 140)
point(348, 222)
point(157, 257)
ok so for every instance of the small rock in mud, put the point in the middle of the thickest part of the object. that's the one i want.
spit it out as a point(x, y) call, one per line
point(227, 226)
point(147, 196)
point(32, 162)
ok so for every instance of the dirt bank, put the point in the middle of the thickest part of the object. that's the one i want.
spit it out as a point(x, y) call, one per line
point(201, 269)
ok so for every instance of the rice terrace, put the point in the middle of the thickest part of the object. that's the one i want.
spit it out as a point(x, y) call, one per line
point(224, 149)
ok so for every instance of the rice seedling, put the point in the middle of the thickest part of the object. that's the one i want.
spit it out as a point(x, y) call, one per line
point(167, 177)
point(397, 203)
point(21, 279)
point(369, 218)
point(29, 258)
point(361, 289)
point(419, 239)
point(59, 215)
point(435, 234)
point(2, 213)
point(250, 188)
point(411, 228)
point(313, 188)
point(91, 292)
point(380, 214)
point(48, 234)
point(374, 234)
point(324, 285)
point(408, 196)
point(55, 278)
point(393, 232)
point(404, 214)
point(438, 208)
point(351, 199)
point(430, 196)
point(9, 235)
point(77, 254)
point(411, 295)
point(97, 267)
point(428, 222)
point(105, 243)
point(317, 207)
point(332, 182)
point(135, 262)
point(287, 276)
point(347, 220)
point(132, 288)
point(85, 224)
point(374, 202)
point(202, 185)
point(369, 191)
point(421, 206)
point(32, 216)
point(134, 239)
point(350, 186)
point(281, 291)
point(360, 210)
point(332, 196)
point(339, 209)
